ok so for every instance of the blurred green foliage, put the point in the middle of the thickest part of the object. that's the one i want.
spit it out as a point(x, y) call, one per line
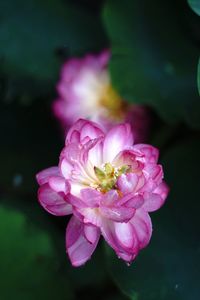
point(195, 5)
point(155, 50)
point(33, 33)
point(150, 46)
point(29, 267)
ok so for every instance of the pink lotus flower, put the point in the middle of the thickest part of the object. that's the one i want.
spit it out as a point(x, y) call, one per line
point(109, 185)
point(85, 91)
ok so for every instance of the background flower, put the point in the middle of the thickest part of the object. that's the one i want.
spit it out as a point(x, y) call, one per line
point(85, 91)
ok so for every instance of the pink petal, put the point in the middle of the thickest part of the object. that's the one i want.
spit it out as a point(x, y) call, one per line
point(86, 129)
point(59, 184)
point(75, 156)
point(162, 190)
point(88, 198)
point(65, 168)
point(71, 153)
point(130, 200)
point(53, 202)
point(77, 214)
point(74, 230)
point(95, 154)
point(141, 223)
point(104, 58)
point(70, 69)
point(125, 235)
point(76, 188)
point(150, 154)
point(135, 202)
point(130, 158)
point(43, 176)
point(92, 216)
point(91, 130)
point(91, 233)
point(91, 197)
point(96, 62)
point(149, 186)
point(117, 214)
point(90, 150)
point(121, 237)
point(75, 137)
point(110, 198)
point(75, 128)
point(127, 183)
point(157, 174)
point(116, 140)
point(77, 246)
point(153, 172)
point(156, 199)
point(152, 201)
point(76, 201)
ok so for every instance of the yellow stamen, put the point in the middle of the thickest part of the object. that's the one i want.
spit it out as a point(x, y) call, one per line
point(113, 103)
point(107, 176)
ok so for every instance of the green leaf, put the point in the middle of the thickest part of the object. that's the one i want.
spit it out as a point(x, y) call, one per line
point(28, 259)
point(153, 60)
point(169, 268)
point(32, 31)
point(195, 6)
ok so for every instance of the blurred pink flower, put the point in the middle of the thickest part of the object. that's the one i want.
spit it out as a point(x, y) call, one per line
point(85, 91)
point(109, 185)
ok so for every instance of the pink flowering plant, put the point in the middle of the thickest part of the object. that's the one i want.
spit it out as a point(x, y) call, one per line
point(85, 91)
point(109, 185)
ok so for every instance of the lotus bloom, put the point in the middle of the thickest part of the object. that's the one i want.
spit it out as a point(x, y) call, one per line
point(85, 91)
point(109, 185)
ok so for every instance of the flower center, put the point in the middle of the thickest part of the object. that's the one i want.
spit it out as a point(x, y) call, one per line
point(107, 176)
point(113, 103)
